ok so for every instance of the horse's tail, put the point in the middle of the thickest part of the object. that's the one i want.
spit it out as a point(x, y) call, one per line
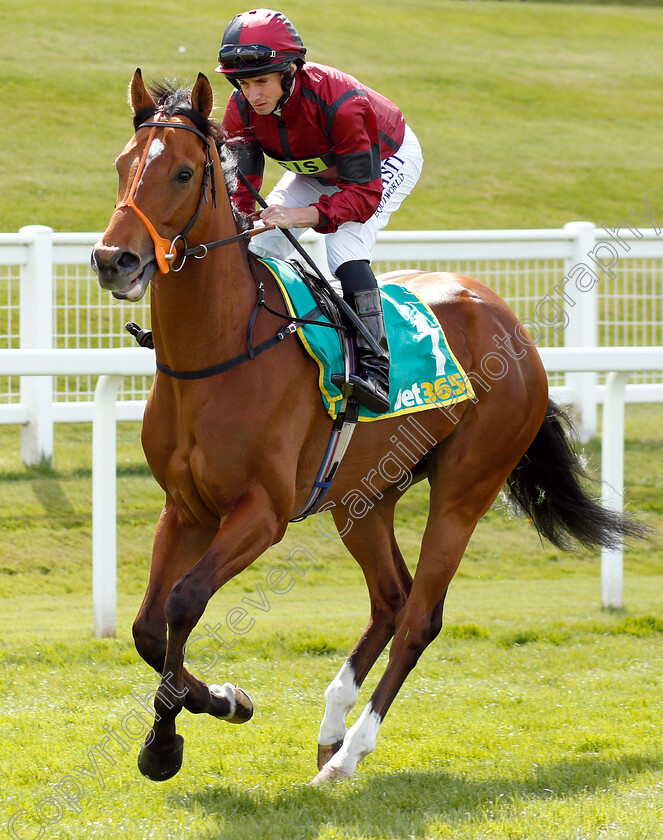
point(547, 486)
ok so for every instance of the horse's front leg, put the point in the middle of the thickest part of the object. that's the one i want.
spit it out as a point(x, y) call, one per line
point(178, 545)
point(248, 531)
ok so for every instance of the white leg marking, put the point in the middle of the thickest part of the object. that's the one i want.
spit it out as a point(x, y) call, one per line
point(358, 743)
point(340, 697)
point(226, 690)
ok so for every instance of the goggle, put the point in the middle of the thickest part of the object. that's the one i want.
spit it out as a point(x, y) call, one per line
point(251, 55)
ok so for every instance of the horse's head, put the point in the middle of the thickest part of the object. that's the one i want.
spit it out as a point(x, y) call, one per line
point(166, 177)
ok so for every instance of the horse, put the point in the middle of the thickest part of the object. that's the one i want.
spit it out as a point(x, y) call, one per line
point(236, 453)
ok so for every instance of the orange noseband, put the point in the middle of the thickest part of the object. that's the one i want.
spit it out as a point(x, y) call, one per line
point(163, 248)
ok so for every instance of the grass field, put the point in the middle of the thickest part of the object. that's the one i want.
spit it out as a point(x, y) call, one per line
point(529, 114)
point(535, 714)
point(543, 723)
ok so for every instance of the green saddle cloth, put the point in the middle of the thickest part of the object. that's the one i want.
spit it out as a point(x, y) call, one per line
point(424, 372)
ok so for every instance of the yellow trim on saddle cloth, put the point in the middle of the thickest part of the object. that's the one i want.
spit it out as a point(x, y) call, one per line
point(454, 399)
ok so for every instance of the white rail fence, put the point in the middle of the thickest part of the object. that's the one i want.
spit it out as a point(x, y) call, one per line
point(111, 366)
point(578, 286)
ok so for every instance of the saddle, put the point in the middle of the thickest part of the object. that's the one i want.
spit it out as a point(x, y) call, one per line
point(424, 371)
point(326, 299)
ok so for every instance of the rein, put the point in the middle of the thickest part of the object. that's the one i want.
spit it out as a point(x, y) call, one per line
point(345, 307)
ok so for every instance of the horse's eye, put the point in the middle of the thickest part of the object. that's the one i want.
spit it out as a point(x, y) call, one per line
point(184, 176)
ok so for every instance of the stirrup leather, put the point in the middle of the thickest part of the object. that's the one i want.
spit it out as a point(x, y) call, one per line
point(370, 382)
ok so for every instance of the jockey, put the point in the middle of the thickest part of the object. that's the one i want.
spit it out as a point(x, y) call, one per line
point(350, 160)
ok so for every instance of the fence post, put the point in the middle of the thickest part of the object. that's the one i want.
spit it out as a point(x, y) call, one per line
point(612, 478)
point(582, 330)
point(104, 506)
point(36, 333)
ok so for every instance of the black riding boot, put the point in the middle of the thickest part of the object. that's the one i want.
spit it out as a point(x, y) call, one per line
point(371, 382)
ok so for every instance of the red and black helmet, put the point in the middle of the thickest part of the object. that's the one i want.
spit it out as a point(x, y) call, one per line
point(259, 41)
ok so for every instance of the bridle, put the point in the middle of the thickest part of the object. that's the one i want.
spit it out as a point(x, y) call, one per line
point(165, 250)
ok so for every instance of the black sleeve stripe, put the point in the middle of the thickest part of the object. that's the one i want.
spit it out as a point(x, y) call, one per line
point(240, 101)
point(389, 141)
point(250, 159)
point(359, 168)
point(330, 110)
point(312, 96)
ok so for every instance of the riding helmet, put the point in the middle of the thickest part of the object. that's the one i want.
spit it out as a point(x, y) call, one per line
point(257, 42)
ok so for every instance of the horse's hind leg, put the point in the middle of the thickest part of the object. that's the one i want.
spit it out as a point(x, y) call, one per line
point(373, 545)
point(463, 487)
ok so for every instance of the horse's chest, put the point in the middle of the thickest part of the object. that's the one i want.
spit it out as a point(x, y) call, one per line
point(203, 483)
point(217, 477)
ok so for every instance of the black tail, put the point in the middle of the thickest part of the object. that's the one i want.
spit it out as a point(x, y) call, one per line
point(546, 485)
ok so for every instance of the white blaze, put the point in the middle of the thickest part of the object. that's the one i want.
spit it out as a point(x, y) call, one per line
point(156, 148)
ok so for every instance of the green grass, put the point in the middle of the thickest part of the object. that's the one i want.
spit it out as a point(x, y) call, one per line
point(535, 714)
point(530, 114)
point(497, 734)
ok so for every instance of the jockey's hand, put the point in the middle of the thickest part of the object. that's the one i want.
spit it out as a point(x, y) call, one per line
point(288, 217)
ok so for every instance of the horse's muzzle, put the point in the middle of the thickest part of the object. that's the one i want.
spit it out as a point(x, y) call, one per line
point(121, 272)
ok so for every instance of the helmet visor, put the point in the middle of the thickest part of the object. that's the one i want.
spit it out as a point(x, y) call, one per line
point(245, 55)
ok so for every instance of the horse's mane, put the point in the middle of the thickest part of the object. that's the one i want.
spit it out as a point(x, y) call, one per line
point(172, 99)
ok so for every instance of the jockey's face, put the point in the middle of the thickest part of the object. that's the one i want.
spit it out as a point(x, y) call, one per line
point(262, 92)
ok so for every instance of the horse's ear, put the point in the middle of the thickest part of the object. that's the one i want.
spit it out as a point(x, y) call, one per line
point(139, 97)
point(202, 97)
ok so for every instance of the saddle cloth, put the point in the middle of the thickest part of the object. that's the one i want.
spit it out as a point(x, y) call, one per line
point(424, 372)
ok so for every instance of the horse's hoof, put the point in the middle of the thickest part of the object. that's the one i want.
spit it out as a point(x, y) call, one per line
point(231, 703)
point(326, 751)
point(162, 765)
point(243, 707)
point(329, 774)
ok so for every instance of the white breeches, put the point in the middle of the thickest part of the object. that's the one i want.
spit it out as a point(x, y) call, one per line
point(352, 240)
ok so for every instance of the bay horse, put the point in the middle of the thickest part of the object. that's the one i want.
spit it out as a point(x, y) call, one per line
point(237, 453)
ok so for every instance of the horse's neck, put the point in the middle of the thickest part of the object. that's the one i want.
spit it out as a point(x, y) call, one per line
point(200, 314)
